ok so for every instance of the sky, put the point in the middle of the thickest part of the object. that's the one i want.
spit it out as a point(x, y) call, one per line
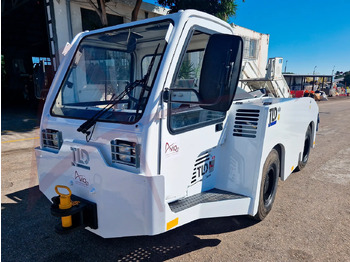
point(307, 33)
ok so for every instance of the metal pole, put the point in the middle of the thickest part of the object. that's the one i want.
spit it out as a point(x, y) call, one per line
point(69, 18)
point(314, 70)
point(322, 82)
point(285, 68)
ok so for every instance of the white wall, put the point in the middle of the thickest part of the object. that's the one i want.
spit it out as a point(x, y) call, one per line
point(121, 8)
point(124, 9)
point(61, 25)
point(262, 46)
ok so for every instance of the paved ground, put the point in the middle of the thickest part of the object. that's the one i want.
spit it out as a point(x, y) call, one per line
point(309, 221)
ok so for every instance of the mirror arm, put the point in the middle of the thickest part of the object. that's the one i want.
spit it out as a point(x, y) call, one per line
point(188, 90)
point(167, 94)
point(229, 73)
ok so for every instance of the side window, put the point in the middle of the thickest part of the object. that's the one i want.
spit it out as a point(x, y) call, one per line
point(183, 116)
point(250, 48)
point(146, 60)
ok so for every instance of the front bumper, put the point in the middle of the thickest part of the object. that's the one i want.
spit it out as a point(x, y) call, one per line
point(128, 204)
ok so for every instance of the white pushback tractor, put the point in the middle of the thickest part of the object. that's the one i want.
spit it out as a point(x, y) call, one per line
point(145, 130)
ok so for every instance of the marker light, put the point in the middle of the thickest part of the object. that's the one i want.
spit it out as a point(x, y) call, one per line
point(51, 138)
point(125, 152)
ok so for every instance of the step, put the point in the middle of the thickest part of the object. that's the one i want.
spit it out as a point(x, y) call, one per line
point(213, 195)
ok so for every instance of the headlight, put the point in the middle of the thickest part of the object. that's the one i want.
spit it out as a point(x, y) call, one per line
point(51, 138)
point(125, 152)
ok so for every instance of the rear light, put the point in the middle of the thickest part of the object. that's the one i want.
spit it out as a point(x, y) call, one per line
point(125, 152)
point(51, 138)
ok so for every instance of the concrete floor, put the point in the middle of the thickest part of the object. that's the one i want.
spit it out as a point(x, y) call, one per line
point(309, 221)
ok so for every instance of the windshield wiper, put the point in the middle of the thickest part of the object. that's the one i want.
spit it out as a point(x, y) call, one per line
point(144, 85)
point(84, 128)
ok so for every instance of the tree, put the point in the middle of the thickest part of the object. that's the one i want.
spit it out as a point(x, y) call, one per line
point(187, 70)
point(347, 79)
point(136, 9)
point(100, 10)
point(220, 8)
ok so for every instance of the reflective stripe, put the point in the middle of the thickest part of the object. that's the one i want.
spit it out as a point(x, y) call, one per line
point(172, 223)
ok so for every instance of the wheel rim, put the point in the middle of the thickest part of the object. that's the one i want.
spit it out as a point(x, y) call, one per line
point(269, 185)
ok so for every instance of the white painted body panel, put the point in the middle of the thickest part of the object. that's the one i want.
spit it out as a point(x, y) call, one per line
point(243, 158)
point(125, 200)
point(135, 200)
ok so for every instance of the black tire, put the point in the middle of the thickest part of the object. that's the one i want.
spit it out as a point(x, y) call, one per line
point(269, 182)
point(306, 151)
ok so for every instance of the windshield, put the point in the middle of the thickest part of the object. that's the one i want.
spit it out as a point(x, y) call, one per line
point(104, 65)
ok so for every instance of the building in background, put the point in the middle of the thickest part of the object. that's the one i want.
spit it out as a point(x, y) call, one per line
point(255, 54)
point(309, 82)
point(76, 16)
point(35, 32)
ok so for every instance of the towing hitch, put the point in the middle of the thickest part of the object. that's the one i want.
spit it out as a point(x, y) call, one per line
point(75, 212)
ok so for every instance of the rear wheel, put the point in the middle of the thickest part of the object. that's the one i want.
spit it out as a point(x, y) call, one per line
point(269, 182)
point(306, 151)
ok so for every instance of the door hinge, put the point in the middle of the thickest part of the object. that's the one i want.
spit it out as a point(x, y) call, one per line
point(161, 112)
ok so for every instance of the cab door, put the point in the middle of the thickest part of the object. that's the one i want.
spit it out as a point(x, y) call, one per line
point(190, 134)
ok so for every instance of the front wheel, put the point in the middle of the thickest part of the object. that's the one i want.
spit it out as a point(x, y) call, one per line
point(269, 182)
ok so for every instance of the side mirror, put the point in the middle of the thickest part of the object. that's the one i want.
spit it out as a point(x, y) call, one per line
point(220, 72)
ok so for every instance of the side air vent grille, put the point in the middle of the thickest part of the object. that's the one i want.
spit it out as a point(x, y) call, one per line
point(246, 123)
